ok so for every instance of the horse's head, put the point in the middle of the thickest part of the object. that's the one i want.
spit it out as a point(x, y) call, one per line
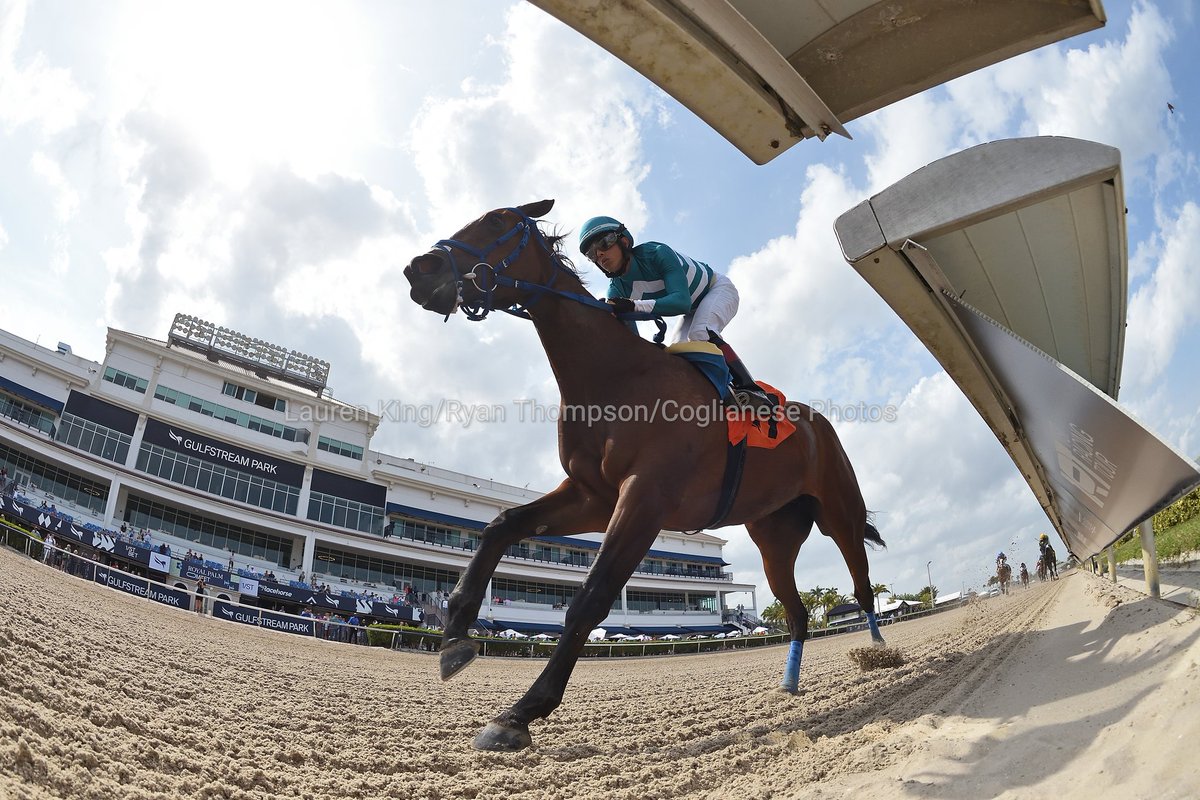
point(478, 268)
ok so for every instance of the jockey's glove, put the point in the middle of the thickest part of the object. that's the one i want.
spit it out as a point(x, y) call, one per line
point(621, 305)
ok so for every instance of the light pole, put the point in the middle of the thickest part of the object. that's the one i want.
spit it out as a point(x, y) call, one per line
point(930, 584)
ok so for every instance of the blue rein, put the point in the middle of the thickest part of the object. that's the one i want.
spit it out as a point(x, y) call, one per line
point(487, 303)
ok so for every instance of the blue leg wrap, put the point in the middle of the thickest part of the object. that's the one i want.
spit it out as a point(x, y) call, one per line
point(791, 672)
point(874, 626)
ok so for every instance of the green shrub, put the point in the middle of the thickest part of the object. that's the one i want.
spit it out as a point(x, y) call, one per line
point(1182, 510)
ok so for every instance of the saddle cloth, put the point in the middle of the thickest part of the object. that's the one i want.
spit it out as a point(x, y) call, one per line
point(742, 424)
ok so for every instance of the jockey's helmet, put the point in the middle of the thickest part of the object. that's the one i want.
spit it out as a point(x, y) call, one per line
point(1001, 556)
point(597, 227)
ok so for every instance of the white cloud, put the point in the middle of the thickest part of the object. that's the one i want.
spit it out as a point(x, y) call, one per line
point(31, 91)
point(529, 136)
point(1167, 304)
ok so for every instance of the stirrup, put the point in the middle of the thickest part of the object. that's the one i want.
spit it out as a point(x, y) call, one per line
point(753, 398)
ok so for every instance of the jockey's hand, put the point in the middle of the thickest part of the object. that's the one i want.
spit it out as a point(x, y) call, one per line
point(620, 305)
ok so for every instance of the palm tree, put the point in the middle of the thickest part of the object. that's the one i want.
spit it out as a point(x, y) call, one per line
point(831, 599)
point(775, 614)
point(811, 602)
point(877, 590)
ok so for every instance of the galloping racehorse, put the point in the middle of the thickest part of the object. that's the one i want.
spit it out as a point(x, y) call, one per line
point(628, 475)
point(1041, 569)
point(1004, 576)
point(1050, 560)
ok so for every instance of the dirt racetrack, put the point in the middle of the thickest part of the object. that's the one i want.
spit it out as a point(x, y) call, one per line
point(1076, 688)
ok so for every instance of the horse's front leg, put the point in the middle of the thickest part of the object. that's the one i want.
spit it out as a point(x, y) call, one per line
point(635, 523)
point(562, 512)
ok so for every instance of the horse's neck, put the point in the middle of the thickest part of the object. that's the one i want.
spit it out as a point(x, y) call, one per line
point(588, 349)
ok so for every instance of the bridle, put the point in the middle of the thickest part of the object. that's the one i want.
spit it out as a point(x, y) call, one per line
point(487, 277)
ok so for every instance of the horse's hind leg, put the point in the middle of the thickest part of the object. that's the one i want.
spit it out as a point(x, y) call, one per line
point(843, 517)
point(778, 537)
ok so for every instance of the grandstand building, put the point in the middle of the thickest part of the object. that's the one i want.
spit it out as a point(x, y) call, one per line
point(233, 449)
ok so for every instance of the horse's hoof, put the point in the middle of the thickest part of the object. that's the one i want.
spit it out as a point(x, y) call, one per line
point(878, 642)
point(785, 689)
point(501, 738)
point(456, 654)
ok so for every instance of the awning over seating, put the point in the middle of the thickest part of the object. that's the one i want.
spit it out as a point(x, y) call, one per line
point(588, 544)
point(435, 516)
point(35, 397)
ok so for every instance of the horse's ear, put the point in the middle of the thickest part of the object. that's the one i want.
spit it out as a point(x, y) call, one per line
point(536, 210)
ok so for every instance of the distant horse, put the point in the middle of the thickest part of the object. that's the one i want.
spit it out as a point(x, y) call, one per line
point(1024, 575)
point(628, 475)
point(1004, 576)
point(1050, 560)
point(1041, 569)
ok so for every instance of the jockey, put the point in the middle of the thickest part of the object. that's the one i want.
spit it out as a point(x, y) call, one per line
point(1001, 561)
point(653, 278)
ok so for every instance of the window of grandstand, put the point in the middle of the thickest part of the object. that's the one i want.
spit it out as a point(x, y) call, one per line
point(26, 414)
point(232, 416)
point(93, 438)
point(649, 601)
point(144, 513)
point(216, 479)
point(382, 571)
point(63, 484)
point(345, 513)
point(547, 594)
point(340, 448)
point(433, 534)
point(252, 396)
point(658, 566)
point(125, 379)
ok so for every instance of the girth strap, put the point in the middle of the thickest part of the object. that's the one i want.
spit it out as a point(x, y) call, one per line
point(735, 463)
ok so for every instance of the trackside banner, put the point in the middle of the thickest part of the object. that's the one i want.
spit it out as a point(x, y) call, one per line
point(67, 532)
point(343, 603)
point(115, 579)
point(301, 626)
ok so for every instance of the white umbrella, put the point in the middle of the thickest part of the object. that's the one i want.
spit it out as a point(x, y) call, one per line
point(759, 629)
point(598, 633)
point(511, 634)
point(719, 636)
point(620, 636)
point(543, 636)
point(669, 636)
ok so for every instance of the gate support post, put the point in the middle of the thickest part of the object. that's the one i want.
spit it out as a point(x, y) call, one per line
point(1150, 558)
point(1112, 563)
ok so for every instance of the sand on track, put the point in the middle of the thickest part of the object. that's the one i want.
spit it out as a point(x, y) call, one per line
point(1076, 688)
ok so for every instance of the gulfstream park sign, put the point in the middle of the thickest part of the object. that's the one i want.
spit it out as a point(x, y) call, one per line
point(174, 438)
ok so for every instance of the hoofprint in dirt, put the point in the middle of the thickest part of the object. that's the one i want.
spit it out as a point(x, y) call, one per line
point(105, 695)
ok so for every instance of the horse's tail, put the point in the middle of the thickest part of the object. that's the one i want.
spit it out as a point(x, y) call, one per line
point(871, 533)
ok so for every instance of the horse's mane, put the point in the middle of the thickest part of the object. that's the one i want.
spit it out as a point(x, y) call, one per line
point(555, 240)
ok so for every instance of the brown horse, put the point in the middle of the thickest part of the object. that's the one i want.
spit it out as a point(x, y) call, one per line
point(628, 474)
point(1004, 576)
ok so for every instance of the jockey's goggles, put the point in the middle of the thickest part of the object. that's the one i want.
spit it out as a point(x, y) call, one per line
point(603, 243)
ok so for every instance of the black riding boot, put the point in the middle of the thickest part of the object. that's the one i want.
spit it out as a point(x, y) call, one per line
point(746, 393)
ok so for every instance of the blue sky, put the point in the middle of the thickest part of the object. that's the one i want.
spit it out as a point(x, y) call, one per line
point(273, 166)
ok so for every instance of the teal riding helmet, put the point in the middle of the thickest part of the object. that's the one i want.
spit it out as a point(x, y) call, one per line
point(596, 227)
